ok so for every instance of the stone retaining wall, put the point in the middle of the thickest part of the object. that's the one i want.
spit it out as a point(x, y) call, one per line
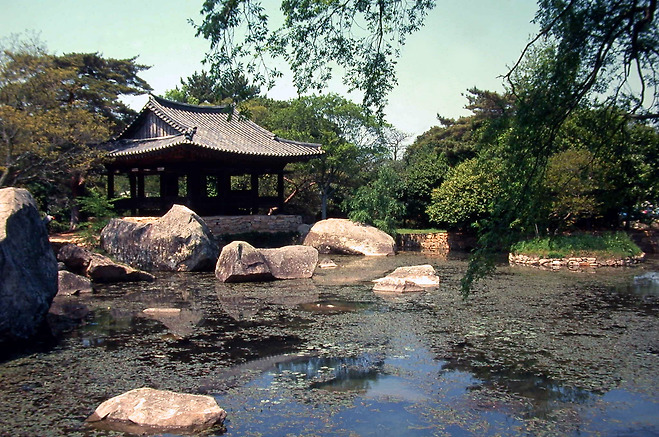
point(572, 263)
point(241, 224)
point(435, 242)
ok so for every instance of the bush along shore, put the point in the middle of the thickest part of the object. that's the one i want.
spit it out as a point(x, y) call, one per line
point(575, 251)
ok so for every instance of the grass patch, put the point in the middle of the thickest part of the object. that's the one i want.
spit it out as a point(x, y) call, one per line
point(420, 231)
point(608, 245)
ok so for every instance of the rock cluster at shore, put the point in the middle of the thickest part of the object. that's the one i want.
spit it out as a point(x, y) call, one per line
point(572, 262)
point(84, 267)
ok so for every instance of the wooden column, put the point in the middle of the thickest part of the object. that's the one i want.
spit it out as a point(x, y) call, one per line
point(254, 182)
point(168, 185)
point(132, 180)
point(280, 188)
point(140, 185)
point(110, 183)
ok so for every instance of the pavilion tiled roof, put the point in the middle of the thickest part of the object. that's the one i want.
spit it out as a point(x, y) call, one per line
point(218, 128)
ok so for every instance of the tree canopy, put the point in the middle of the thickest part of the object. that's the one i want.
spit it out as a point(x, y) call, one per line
point(363, 37)
point(227, 86)
point(350, 136)
point(584, 57)
point(53, 108)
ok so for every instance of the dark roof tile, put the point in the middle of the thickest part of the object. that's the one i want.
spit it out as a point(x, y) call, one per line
point(218, 128)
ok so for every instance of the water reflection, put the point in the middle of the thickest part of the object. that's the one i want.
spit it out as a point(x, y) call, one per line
point(329, 357)
point(243, 301)
point(336, 373)
point(332, 305)
point(180, 322)
point(646, 284)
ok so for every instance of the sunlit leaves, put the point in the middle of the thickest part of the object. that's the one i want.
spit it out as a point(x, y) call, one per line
point(379, 203)
point(361, 37)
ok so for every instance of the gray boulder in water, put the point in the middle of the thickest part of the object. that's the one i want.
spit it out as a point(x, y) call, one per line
point(291, 262)
point(239, 261)
point(179, 241)
point(408, 279)
point(28, 268)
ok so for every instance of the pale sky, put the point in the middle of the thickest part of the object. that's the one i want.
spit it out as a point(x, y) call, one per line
point(464, 43)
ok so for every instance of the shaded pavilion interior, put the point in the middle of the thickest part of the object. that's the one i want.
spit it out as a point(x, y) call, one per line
point(209, 158)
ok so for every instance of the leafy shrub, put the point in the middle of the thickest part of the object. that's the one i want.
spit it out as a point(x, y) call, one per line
point(610, 244)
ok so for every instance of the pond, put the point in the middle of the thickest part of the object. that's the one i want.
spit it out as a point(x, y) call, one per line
point(529, 353)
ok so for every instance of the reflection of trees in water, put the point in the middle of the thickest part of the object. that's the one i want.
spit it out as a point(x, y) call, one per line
point(540, 391)
point(336, 374)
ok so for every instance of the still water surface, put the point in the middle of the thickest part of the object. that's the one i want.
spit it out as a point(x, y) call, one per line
point(530, 353)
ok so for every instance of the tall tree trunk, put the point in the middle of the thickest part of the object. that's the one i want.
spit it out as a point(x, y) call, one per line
point(323, 205)
point(77, 189)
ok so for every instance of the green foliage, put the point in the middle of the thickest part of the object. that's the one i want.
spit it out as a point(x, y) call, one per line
point(587, 55)
point(53, 109)
point(434, 153)
point(610, 245)
point(99, 210)
point(349, 136)
point(227, 86)
point(467, 194)
point(361, 37)
point(97, 205)
point(379, 202)
point(573, 179)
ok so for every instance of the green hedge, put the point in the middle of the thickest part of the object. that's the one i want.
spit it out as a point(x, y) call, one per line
point(611, 244)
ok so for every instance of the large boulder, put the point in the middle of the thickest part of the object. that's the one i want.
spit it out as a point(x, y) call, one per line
point(408, 279)
point(28, 268)
point(239, 261)
point(347, 237)
point(291, 262)
point(147, 410)
point(179, 241)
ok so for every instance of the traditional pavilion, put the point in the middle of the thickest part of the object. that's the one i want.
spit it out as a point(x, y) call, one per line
point(209, 158)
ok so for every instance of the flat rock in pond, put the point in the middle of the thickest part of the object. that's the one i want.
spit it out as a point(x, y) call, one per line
point(407, 279)
point(70, 284)
point(327, 263)
point(145, 410)
point(397, 285)
point(103, 269)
